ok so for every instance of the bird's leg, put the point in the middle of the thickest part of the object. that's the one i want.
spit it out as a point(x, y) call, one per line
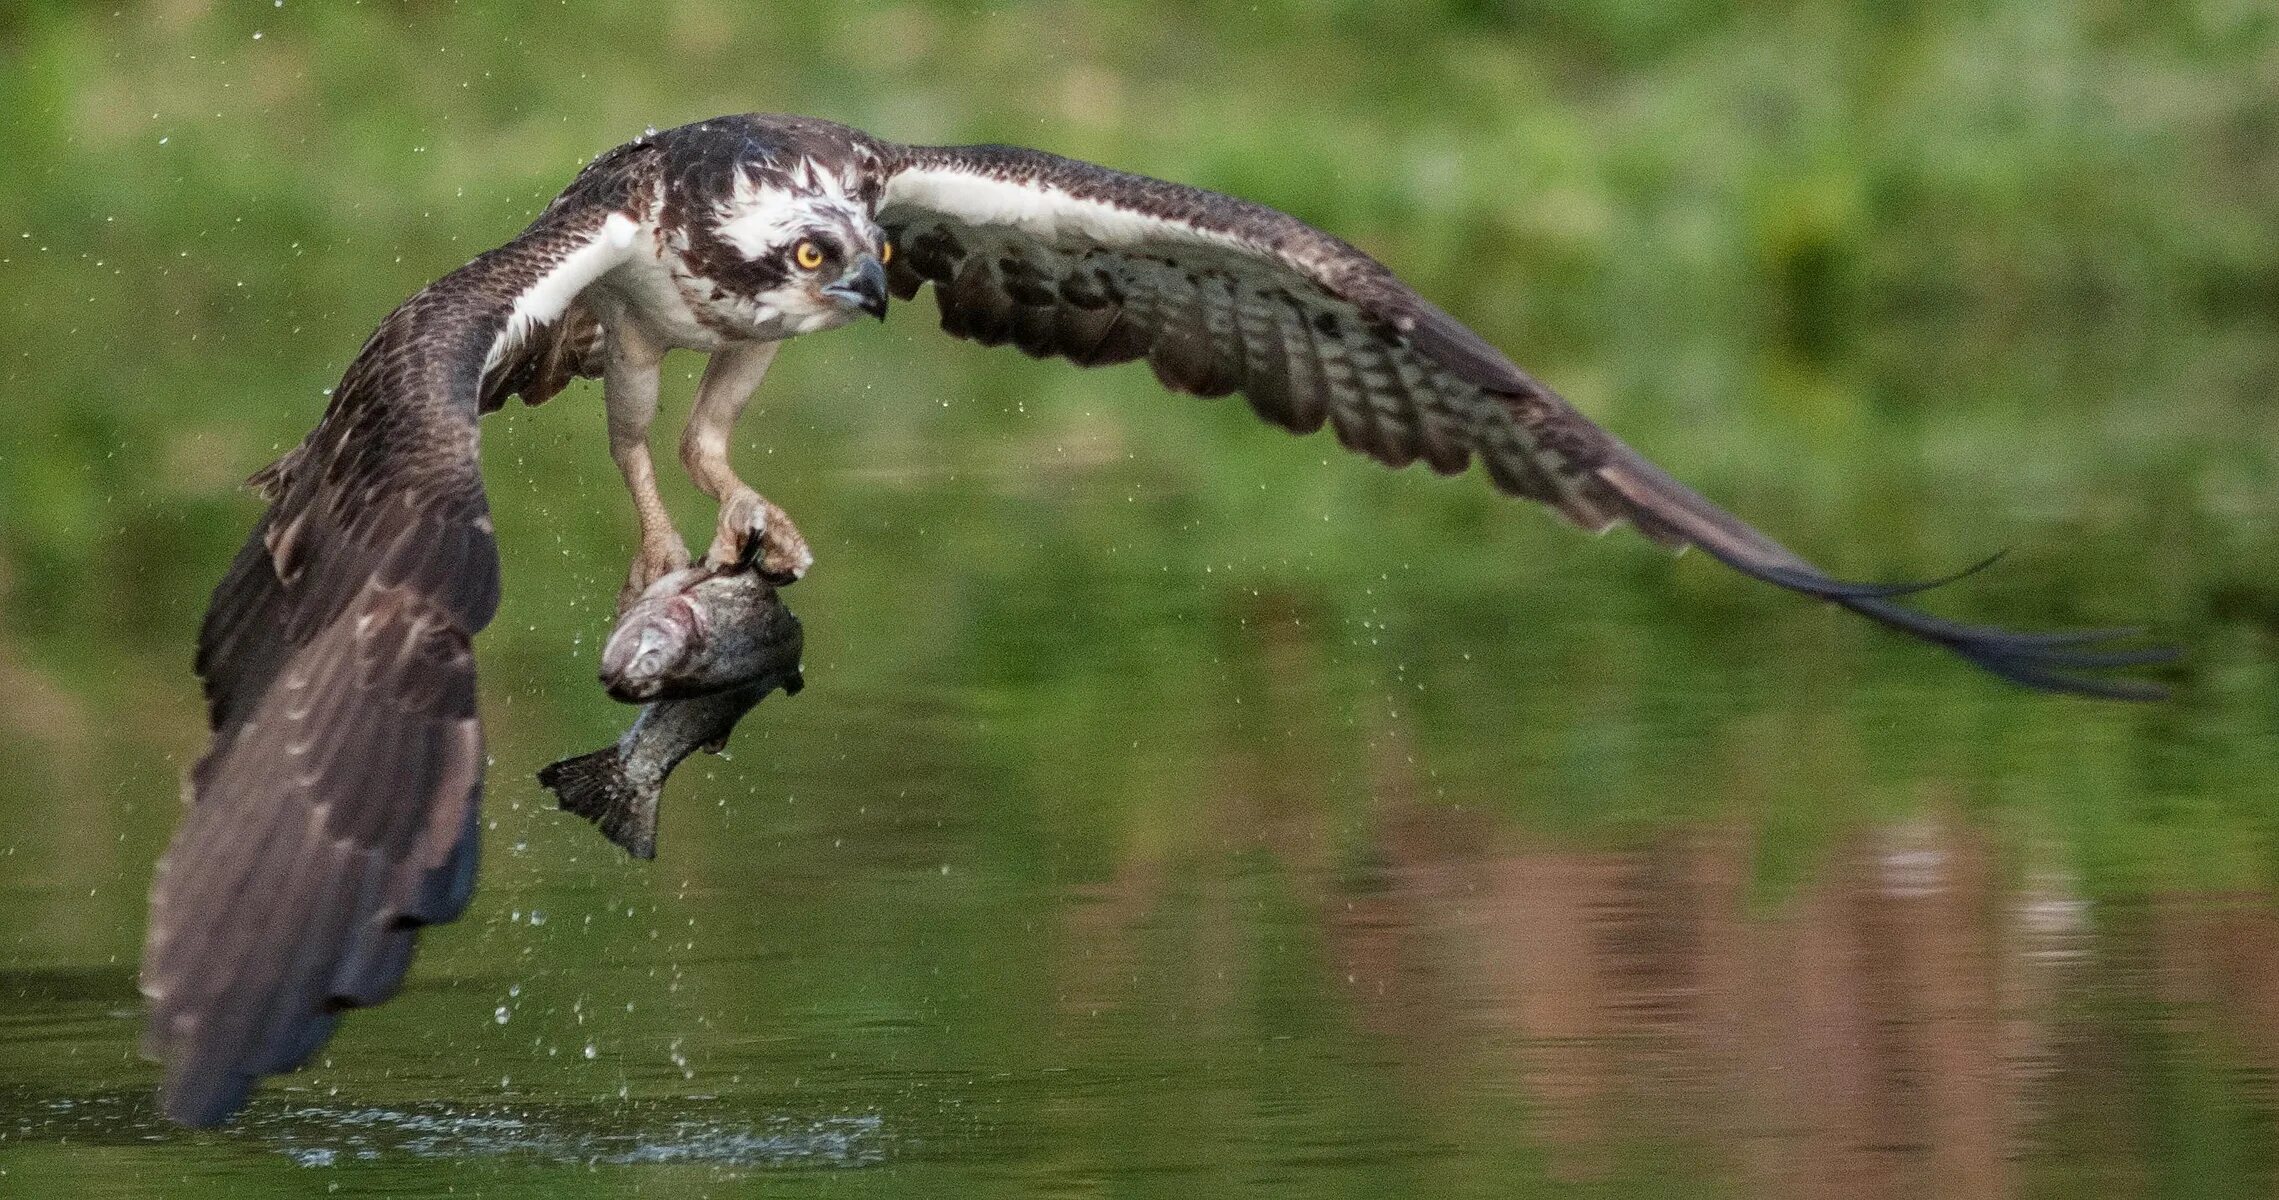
point(629, 393)
point(749, 525)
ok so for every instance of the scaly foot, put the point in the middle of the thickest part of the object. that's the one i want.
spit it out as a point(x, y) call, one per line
point(659, 557)
point(750, 527)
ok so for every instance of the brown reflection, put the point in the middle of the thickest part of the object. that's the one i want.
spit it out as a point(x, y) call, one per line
point(1885, 1032)
point(1881, 1033)
point(2213, 962)
point(1909, 1020)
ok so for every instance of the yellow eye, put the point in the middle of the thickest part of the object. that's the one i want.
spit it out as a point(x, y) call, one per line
point(885, 253)
point(809, 256)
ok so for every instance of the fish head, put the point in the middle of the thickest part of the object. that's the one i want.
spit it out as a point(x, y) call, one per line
point(664, 634)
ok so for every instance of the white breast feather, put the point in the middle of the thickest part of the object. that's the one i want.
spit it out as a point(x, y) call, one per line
point(544, 300)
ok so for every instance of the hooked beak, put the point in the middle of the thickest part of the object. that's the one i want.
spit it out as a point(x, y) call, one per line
point(863, 287)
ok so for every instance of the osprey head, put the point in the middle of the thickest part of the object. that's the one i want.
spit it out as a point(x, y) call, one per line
point(796, 245)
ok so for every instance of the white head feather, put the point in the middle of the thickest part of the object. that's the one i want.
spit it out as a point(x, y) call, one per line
point(759, 215)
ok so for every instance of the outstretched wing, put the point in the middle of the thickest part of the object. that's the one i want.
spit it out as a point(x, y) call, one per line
point(1218, 295)
point(334, 811)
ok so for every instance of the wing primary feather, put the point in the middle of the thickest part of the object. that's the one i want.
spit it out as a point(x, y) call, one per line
point(1338, 345)
point(334, 810)
point(2041, 660)
point(1832, 589)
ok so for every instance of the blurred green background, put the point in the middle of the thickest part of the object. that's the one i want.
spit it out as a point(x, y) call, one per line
point(1119, 687)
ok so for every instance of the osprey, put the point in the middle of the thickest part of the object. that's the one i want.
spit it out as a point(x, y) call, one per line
point(334, 812)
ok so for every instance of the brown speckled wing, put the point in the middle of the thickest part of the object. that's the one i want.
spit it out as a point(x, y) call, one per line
point(334, 811)
point(1219, 295)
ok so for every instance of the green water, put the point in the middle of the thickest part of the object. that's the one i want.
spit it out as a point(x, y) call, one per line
point(1176, 807)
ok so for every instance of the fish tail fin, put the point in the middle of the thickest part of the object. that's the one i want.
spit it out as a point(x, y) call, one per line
point(597, 787)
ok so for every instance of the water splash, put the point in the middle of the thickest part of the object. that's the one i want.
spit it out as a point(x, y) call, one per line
point(324, 1135)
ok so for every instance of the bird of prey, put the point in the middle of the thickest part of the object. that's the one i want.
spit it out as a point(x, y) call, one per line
point(334, 812)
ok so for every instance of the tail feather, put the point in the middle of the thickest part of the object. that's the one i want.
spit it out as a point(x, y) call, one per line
point(597, 787)
point(2059, 661)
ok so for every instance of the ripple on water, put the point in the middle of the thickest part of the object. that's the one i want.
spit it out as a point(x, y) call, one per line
point(318, 1135)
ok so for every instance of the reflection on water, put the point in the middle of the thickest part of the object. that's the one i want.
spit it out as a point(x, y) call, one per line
point(1427, 997)
point(1909, 1023)
point(1887, 1032)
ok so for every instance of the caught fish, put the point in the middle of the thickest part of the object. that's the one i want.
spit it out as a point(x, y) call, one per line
point(698, 631)
point(697, 650)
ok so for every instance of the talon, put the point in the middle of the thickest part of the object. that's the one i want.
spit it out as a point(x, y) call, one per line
point(754, 532)
point(752, 539)
point(655, 561)
point(786, 561)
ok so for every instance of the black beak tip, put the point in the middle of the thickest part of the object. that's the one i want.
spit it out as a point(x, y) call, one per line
point(864, 287)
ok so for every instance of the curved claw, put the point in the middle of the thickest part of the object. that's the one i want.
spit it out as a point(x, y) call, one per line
point(753, 530)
